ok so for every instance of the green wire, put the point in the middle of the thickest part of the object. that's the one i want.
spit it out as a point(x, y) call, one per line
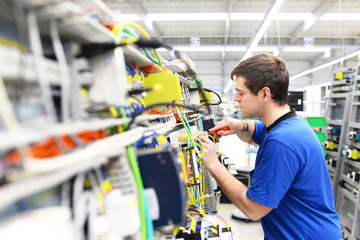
point(139, 184)
point(157, 56)
point(151, 57)
point(184, 124)
point(140, 187)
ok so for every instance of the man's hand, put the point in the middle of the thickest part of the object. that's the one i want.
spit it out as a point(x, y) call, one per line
point(227, 126)
point(209, 157)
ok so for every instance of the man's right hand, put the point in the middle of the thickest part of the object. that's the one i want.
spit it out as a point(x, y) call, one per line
point(227, 126)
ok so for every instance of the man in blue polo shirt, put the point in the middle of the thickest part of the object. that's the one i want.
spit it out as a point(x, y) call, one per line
point(290, 191)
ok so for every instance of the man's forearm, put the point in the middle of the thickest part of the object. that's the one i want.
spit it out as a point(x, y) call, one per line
point(236, 192)
point(246, 136)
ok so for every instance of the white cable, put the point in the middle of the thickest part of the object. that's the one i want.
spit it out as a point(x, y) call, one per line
point(7, 114)
point(37, 51)
point(64, 70)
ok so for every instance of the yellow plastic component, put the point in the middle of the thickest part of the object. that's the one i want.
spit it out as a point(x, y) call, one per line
point(207, 95)
point(192, 225)
point(339, 75)
point(183, 174)
point(130, 79)
point(354, 154)
point(169, 91)
point(106, 186)
point(87, 183)
point(100, 199)
point(331, 145)
point(83, 92)
point(161, 139)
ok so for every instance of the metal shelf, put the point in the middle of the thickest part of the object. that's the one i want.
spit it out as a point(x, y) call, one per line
point(349, 181)
point(74, 24)
point(334, 122)
point(352, 163)
point(348, 195)
point(341, 82)
point(332, 153)
point(354, 125)
point(355, 144)
point(339, 95)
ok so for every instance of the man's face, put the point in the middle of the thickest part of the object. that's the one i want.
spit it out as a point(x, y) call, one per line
point(250, 105)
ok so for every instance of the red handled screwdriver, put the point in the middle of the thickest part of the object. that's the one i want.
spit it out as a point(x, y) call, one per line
point(224, 128)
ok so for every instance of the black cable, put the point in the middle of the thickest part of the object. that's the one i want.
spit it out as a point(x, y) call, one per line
point(161, 104)
point(209, 90)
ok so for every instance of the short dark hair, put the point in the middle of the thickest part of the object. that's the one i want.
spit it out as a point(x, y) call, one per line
point(265, 70)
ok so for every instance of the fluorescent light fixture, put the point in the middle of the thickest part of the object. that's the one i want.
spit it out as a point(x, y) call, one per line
point(340, 17)
point(221, 48)
point(278, 16)
point(187, 16)
point(235, 49)
point(274, 50)
point(306, 49)
point(246, 16)
point(293, 16)
point(200, 49)
point(127, 17)
point(328, 64)
point(325, 50)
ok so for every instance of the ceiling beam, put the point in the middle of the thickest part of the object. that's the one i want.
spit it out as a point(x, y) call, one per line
point(273, 8)
point(342, 58)
point(308, 23)
point(151, 26)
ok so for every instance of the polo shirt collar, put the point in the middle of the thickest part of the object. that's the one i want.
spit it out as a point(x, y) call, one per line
point(280, 119)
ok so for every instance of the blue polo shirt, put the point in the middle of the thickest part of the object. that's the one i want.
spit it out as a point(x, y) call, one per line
point(291, 177)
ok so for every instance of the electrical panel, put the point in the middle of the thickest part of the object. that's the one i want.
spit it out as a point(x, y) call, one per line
point(99, 134)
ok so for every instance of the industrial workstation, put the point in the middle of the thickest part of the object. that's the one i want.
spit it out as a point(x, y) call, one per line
point(179, 119)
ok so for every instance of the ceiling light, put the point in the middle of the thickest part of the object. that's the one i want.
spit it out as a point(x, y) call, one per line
point(325, 50)
point(332, 62)
point(127, 17)
point(293, 16)
point(278, 16)
point(340, 17)
point(199, 49)
point(306, 49)
point(221, 48)
point(246, 16)
point(235, 49)
point(187, 16)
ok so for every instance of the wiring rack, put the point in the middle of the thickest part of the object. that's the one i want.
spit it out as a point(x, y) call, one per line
point(106, 120)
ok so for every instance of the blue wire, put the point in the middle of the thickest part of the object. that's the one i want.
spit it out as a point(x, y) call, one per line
point(149, 222)
point(187, 123)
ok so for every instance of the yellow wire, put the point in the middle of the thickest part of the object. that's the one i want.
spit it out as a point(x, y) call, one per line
point(127, 40)
point(138, 27)
point(200, 198)
point(205, 134)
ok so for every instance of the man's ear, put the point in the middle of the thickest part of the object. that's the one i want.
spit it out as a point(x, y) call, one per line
point(266, 94)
